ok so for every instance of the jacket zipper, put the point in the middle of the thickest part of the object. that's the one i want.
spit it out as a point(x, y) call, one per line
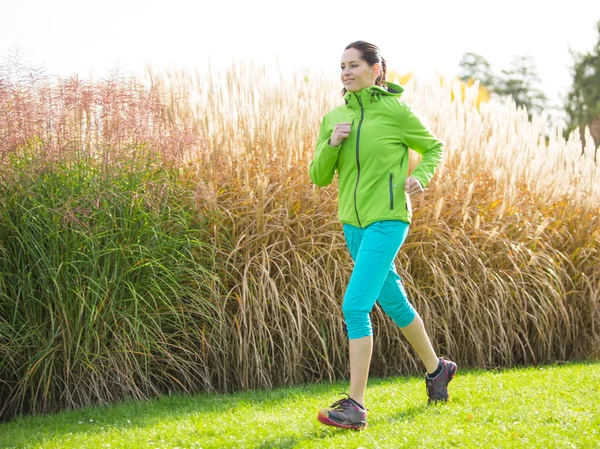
point(362, 116)
point(391, 191)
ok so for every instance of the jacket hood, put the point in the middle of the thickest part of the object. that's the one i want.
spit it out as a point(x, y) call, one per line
point(372, 93)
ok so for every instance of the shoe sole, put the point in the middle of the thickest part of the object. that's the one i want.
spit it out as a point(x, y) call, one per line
point(324, 419)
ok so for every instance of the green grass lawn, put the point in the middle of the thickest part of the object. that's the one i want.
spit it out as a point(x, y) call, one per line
point(547, 407)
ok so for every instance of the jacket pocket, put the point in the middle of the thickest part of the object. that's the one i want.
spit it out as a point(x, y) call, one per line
point(391, 191)
point(403, 176)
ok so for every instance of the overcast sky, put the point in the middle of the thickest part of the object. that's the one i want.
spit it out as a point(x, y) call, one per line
point(86, 37)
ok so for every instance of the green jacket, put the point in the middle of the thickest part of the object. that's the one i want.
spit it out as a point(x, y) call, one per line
point(372, 162)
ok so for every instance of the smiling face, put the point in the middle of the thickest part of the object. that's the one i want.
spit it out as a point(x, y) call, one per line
point(356, 73)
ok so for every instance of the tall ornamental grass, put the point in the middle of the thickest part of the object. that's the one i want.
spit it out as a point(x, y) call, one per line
point(163, 235)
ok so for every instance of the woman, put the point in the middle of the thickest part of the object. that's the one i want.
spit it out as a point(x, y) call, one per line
point(366, 141)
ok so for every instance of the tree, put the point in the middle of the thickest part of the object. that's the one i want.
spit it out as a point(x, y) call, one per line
point(475, 67)
point(521, 82)
point(582, 104)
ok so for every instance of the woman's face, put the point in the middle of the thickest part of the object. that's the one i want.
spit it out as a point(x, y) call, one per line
point(356, 73)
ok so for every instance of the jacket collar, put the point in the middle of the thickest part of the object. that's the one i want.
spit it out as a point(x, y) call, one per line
point(371, 94)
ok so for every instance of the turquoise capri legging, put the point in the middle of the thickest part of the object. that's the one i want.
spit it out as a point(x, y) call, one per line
point(374, 277)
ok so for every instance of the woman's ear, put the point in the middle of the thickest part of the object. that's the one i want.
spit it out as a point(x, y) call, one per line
point(375, 70)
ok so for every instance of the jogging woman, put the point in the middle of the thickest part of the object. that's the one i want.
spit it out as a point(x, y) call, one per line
point(366, 140)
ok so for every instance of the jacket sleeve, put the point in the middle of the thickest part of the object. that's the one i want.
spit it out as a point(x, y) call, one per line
point(418, 137)
point(324, 163)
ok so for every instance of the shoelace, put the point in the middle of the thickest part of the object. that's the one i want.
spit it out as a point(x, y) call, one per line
point(338, 406)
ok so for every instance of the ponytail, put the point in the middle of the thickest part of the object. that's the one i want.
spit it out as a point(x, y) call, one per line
point(380, 81)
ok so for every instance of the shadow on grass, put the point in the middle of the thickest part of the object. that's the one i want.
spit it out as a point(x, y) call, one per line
point(281, 443)
point(320, 435)
point(324, 433)
point(290, 442)
point(407, 414)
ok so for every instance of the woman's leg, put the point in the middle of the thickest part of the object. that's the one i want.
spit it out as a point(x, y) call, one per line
point(373, 250)
point(395, 303)
point(361, 350)
point(417, 337)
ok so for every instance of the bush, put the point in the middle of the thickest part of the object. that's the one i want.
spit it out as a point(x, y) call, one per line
point(167, 238)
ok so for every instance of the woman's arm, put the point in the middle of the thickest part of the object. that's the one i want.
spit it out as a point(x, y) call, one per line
point(324, 163)
point(418, 137)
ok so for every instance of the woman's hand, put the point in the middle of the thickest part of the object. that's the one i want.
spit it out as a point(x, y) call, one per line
point(413, 186)
point(340, 132)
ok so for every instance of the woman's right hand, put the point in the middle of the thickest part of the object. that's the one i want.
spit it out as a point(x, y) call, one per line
point(340, 132)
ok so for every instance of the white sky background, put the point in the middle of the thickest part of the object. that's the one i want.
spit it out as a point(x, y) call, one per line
point(69, 37)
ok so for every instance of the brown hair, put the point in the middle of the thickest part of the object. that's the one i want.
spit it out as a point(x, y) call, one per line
point(372, 55)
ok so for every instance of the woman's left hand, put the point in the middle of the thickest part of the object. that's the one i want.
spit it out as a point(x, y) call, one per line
point(413, 187)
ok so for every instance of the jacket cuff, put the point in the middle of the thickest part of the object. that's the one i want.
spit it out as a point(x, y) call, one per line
point(421, 180)
point(331, 146)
